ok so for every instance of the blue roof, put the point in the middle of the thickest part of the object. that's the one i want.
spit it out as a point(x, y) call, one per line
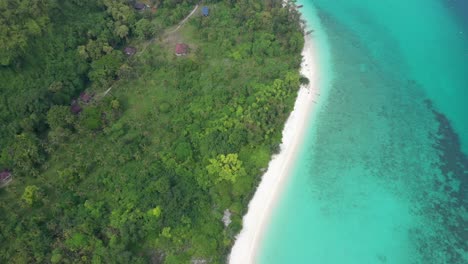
point(205, 11)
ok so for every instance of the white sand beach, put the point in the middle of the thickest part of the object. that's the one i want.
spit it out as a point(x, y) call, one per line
point(257, 218)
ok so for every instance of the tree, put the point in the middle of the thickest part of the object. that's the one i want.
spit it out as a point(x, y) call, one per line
point(166, 232)
point(183, 151)
point(56, 137)
point(264, 45)
point(20, 21)
point(30, 195)
point(122, 16)
point(144, 29)
point(76, 241)
point(56, 256)
point(26, 154)
point(125, 71)
point(296, 42)
point(105, 68)
point(91, 118)
point(156, 212)
point(121, 31)
point(115, 104)
point(226, 167)
point(94, 49)
point(59, 116)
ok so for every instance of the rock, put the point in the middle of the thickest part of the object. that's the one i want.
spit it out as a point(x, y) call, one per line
point(227, 217)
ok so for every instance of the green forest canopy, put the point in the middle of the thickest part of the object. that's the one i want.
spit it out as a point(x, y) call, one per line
point(145, 172)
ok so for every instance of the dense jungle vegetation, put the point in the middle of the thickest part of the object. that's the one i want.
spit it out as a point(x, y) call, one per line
point(144, 171)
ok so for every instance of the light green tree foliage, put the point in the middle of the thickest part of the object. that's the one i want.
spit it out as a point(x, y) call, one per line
point(226, 167)
point(166, 232)
point(121, 30)
point(123, 16)
point(30, 195)
point(156, 212)
point(270, 102)
point(115, 104)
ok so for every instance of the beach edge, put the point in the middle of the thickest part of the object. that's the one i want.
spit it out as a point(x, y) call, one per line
point(266, 196)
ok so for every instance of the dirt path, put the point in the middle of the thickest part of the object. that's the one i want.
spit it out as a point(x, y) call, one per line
point(181, 23)
point(185, 19)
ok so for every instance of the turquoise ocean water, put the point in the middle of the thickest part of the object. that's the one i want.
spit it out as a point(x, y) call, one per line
point(383, 172)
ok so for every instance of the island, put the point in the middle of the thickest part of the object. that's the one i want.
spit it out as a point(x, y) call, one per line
point(138, 131)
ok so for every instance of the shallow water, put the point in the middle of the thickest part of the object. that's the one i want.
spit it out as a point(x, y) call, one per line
point(382, 176)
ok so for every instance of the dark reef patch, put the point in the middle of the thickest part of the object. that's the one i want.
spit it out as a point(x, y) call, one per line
point(454, 168)
point(460, 9)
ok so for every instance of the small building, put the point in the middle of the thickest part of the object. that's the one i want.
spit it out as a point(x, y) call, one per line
point(139, 6)
point(5, 177)
point(130, 51)
point(75, 108)
point(205, 11)
point(181, 49)
point(86, 97)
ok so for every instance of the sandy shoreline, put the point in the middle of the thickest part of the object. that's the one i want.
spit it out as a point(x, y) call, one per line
point(255, 221)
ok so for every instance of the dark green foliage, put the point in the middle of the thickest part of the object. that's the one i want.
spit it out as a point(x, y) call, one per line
point(59, 116)
point(104, 69)
point(24, 155)
point(20, 21)
point(164, 107)
point(304, 80)
point(146, 170)
point(145, 29)
point(91, 118)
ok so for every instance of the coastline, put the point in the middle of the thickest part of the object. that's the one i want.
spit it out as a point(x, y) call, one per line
point(260, 208)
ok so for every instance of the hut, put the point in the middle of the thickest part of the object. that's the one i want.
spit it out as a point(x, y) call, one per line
point(86, 97)
point(5, 177)
point(139, 6)
point(130, 51)
point(75, 108)
point(205, 11)
point(181, 49)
